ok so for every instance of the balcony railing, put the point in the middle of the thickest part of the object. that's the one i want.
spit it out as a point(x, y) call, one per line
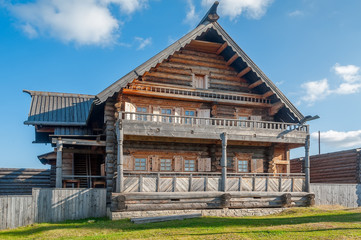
point(246, 98)
point(211, 181)
point(219, 122)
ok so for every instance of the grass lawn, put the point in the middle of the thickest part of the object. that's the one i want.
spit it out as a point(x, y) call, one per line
point(296, 223)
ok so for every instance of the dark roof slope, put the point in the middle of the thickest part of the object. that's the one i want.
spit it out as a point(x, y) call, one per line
point(64, 109)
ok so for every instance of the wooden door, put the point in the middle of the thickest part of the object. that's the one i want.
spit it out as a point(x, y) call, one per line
point(204, 113)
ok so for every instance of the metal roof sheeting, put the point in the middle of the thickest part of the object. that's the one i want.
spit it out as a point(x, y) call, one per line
point(49, 108)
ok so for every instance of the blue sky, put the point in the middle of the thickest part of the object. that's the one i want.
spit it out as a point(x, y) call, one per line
point(311, 49)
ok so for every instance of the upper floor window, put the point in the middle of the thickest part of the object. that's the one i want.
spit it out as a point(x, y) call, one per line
point(166, 111)
point(166, 164)
point(243, 122)
point(189, 113)
point(200, 81)
point(140, 164)
point(142, 110)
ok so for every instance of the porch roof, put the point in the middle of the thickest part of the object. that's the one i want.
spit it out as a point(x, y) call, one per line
point(65, 109)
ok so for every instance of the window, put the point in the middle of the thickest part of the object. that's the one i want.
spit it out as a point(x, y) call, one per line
point(142, 110)
point(243, 122)
point(242, 166)
point(166, 164)
point(189, 165)
point(140, 164)
point(166, 112)
point(190, 114)
point(200, 81)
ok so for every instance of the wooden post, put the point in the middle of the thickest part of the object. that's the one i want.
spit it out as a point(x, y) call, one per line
point(307, 163)
point(120, 157)
point(224, 161)
point(59, 163)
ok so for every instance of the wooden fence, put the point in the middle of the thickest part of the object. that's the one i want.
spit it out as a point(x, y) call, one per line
point(186, 182)
point(20, 181)
point(347, 195)
point(51, 205)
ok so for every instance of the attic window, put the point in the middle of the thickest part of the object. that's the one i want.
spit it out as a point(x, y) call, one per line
point(200, 81)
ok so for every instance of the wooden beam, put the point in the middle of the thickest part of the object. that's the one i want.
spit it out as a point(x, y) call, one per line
point(244, 72)
point(275, 108)
point(268, 94)
point(82, 142)
point(232, 59)
point(220, 50)
point(255, 84)
point(59, 163)
point(224, 162)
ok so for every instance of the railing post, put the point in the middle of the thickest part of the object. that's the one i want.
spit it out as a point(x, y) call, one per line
point(224, 161)
point(59, 163)
point(120, 157)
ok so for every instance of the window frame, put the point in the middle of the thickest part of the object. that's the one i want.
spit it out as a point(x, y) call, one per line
point(140, 164)
point(246, 164)
point(167, 161)
point(188, 162)
point(141, 117)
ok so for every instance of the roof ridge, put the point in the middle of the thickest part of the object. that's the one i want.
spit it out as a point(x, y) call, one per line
point(58, 94)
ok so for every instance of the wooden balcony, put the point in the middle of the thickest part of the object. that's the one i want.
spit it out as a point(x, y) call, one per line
point(211, 182)
point(157, 125)
point(198, 95)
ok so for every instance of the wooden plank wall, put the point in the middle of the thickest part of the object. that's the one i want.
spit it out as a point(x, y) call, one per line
point(20, 181)
point(347, 195)
point(16, 211)
point(51, 205)
point(148, 183)
point(336, 167)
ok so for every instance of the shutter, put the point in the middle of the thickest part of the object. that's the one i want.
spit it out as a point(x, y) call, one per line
point(129, 107)
point(257, 165)
point(128, 163)
point(204, 164)
point(178, 164)
point(156, 110)
point(206, 81)
point(155, 163)
point(204, 113)
point(177, 112)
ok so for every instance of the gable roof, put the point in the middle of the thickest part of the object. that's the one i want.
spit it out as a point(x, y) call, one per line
point(64, 109)
point(208, 23)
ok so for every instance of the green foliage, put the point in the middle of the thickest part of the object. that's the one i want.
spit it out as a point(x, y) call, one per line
point(295, 223)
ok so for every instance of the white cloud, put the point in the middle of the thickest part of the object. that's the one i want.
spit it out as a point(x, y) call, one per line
point(82, 22)
point(340, 139)
point(318, 90)
point(143, 42)
point(191, 17)
point(315, 90)
point(349, 73)
point(296, 13)
point(234, 8)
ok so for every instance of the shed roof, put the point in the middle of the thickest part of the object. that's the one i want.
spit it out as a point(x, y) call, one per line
point(65, 109)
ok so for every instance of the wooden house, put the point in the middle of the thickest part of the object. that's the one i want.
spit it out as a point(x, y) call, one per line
point(200, 116)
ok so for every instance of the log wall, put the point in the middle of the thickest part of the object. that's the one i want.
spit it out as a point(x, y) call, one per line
point(207, 200)
point(337, 167)
point(20, 181)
